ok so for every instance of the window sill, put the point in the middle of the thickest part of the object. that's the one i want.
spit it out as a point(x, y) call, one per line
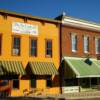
point(32, 56)
point(86, 52)
point(48, 56)
point(15, 89)
point(74, 51)
point(16, 55)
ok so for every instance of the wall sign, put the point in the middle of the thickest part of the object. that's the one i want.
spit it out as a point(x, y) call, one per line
point(23, 28)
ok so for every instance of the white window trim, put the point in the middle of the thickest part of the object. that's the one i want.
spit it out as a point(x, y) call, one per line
point(96, 51)
point(73, 50)
point(85, 51)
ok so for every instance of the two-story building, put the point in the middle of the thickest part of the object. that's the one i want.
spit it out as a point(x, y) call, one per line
point(32, 48)
point(29, 54)
point(80, 46)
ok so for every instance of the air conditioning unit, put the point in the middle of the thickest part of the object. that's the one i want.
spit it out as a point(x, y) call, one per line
point(15, 51)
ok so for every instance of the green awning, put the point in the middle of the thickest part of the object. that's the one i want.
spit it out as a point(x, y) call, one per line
point(43, 68)
point(83, 69)
point(97, 62)
point(11, 68)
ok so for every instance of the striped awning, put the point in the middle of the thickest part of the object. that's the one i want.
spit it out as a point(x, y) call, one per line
point(11, 68)
point(43, 68)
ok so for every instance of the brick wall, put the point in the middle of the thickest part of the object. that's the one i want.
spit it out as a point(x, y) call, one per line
point(66, 48)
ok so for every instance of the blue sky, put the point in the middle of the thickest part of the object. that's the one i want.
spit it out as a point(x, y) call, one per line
point(85, 9)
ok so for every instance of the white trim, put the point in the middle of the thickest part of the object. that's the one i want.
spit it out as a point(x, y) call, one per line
point(78, 58)
point(75, 58)
point(86, 51)
point(73, 50)
point(80, 23)
point(87, 76)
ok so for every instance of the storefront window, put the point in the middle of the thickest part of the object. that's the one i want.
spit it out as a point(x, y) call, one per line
point(94, 81)
point(4, 82)
point(49, 81)
point(70, 82)
point(85, 82)
point(15, 84)
point(33, 81)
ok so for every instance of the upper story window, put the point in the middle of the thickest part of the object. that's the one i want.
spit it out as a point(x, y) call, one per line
point(74, 42)
point(33, 47)
point(86, 44)
point(16, 45)
point(48, 48)
point(97, 45)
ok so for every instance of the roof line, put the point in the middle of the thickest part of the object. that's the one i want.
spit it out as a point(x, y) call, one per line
point(2, 11)
point(82, 20)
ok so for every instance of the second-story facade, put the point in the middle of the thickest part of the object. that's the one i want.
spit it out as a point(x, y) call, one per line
point(79, 38)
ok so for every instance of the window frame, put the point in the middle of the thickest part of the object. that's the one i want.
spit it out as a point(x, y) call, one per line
point(18, 84)
point(97, 45)
point(33, 38)
point(33, 78)
point(49, 78)
point(16, 36)
point(86, 46)
point(48, 56)
point(74, 45)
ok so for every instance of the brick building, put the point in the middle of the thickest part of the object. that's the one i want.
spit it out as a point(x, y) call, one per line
point(80, 45)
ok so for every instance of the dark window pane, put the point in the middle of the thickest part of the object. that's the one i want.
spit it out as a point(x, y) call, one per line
point(33, 47)
point(70, 82)
point(49, 44)
point(49, 83)
point(16, 84)
point(4, 83)
point(16, 46)
point(49, 48)
point(33, 83)
point(33, 51)
point(98, 45)
point(49, 52)
point(16, 42)
point(94, 81)
point(33, 43)
point(75, 42)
